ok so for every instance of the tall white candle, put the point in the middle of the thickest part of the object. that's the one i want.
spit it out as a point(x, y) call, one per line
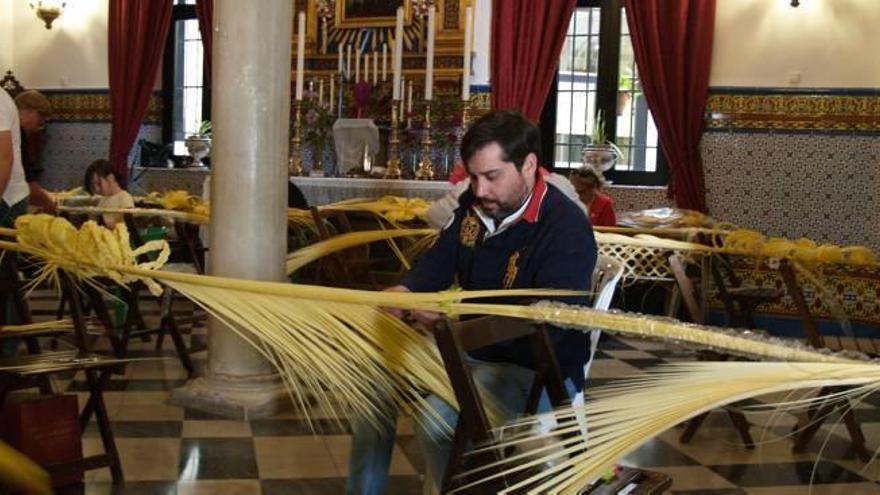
point(429, 60)
point(320, 91)
point(357, 66)
point(339, 64)
point(300, 54)
point(324, 37)
point(409, 94)
point(347, 61)
point(397, 58)
point(384, 61)
point(466, 66)
point(375, 67)
point(367, 67)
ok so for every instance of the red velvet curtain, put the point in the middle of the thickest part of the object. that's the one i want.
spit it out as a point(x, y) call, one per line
point(137, 30)
point(672, 41)
point(205, 11)
point(527, 37)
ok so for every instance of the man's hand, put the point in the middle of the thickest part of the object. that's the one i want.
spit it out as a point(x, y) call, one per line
point(425, 318)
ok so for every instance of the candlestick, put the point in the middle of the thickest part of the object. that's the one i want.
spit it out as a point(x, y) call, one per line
point(357, 66)
point(300, 54)
point(384, 61)
point(296, 161)
point(466, 65)
point(324, 37)
point(426, 165)
point(409, 94)
point(392, 169)
point(429, 59)
point(339, 64)
point(320, 92)
point(375, 68)
point(402, 107)
point(367, 67)
point(348, 61)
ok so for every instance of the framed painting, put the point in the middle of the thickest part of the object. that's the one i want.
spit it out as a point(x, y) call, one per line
point(370, 13)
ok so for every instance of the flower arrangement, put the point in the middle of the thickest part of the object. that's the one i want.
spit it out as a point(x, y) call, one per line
point(420, 7)
point(317, 122)
point(325, 9)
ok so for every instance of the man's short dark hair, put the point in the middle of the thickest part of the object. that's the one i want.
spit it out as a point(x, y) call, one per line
point(99, 167)
point(516, 136)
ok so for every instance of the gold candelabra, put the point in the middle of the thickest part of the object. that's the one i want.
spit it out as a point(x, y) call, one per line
point(392, 169)
point(296, 161)
point(426, 166)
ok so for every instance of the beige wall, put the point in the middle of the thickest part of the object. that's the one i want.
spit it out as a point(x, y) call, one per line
point(5, 36)
point(768, 43)
point(71, 54)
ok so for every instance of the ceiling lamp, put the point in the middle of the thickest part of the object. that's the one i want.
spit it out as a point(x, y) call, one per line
point(48, 10)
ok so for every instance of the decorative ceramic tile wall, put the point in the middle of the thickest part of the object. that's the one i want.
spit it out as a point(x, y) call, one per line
point(70, 147)
point(80, 133)
point(802, 163)
point(628, 198)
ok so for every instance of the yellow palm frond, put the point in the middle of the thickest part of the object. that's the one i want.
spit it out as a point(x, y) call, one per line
point(17, 471)
point(306, 255)
point(617, 421)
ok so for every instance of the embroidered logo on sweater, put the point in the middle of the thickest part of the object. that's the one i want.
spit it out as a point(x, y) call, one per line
point(510, 275)
point(470, 230)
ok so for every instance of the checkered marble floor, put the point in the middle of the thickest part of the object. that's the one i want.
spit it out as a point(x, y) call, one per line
point(166, 449)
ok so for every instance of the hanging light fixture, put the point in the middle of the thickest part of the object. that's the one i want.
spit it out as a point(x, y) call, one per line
point(48, 10)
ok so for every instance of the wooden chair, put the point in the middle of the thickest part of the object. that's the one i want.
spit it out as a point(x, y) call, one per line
point(454, 340)
point(21, 371)
point(350, 268)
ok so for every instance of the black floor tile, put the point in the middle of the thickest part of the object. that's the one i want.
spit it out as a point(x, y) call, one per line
point(657, 453)
point(218, 458)
point(139, 429)
point(197, 414)
point(786, 474)
point(129, 488)
point(609, 343)
point(644, 363)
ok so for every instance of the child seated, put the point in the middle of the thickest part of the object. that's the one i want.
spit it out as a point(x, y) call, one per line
point(101, 179)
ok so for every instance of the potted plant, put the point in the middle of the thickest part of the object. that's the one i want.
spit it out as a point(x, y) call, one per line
point(199, 144)
point(600, 153)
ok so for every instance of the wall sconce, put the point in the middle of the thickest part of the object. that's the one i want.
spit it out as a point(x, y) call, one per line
point(795, 3)
point(48, 10)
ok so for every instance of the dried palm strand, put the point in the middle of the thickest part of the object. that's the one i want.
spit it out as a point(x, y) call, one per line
point(182, 216)
point(306, 255)
point(43, 325)
point(18, 472)
point(620, 422)
point(180, 200)
point(394, 209)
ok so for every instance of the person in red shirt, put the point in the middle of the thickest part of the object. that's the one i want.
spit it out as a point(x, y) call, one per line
point(588, 182)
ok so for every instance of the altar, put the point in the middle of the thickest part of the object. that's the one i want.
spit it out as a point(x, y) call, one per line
point(325, 190)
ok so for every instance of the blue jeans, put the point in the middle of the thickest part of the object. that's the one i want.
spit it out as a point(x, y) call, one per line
point(371, 447)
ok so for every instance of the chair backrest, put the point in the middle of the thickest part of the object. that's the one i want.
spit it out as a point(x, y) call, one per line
point(454, 340)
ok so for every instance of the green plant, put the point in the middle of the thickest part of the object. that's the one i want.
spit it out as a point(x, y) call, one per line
point(598, 136)
point(204, 129)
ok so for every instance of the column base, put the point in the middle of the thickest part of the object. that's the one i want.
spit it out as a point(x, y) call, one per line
point(242, 400)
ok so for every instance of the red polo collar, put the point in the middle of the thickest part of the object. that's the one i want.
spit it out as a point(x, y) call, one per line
point(539, 192)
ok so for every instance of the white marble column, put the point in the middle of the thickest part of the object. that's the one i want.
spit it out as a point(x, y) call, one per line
point(250, 113)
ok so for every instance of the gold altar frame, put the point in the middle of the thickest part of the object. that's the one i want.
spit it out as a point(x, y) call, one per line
point(345, 19)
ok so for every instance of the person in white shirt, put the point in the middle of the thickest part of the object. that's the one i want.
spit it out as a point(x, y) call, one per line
point(13, 187)
point(101, 179)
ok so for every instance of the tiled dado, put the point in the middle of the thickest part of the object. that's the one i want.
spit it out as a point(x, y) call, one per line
point(796, 165)
point(832, 110)
point(93, 105)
